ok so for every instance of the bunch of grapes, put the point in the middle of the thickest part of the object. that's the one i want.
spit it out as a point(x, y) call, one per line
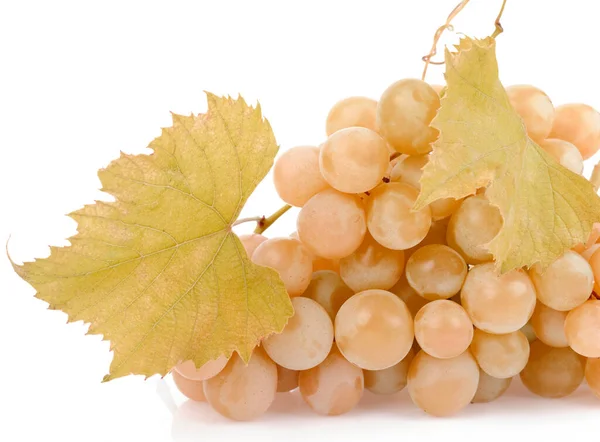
point(386, 297)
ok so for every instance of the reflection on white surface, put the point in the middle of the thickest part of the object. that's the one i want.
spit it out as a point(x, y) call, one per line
point(379, 418)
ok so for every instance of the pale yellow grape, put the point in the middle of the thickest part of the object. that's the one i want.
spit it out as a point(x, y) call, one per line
point(352, 112)
point(472, 226)
point(566, 283)
point(594, 262)
point(409, 170)
point(332, 224)
point(442, 387)
point(500, 356)
point(251, 242)
point(565, 154)
point(578, 124)
point(443, 329)
point(549, 326)
point(291, 260)
point(498, 303)
point(334, 387)
point(436, 235)
point(490, 388)
point(389, 380)
point(297, 176)
point(391, 219)
point(404, 113)
point(534, 107)
point(528, 330)
point(582, 328)
point(287, 380)
point(372, 266)
point(328, 289)
point(592, 375)
point(191, 389)
point(406, 293)
point(374, 329)
point(354, 160)
point(552, 372)
point(436, 272)
point(243, 392)
point(188, 369)
point(306, 339)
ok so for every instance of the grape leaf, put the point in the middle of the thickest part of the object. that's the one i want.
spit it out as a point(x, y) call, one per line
point(159, 272)
point(546, 208)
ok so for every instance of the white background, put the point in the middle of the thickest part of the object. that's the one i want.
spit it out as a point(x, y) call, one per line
point(82, 80)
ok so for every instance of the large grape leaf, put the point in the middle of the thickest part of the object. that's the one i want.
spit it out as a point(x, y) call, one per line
point(546, 208)
point(158, 272)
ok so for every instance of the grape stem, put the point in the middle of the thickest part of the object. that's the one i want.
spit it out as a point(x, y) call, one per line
point(448, 26)
point(263, 223)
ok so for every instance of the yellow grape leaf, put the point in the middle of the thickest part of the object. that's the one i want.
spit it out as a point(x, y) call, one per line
point(546, 208)
point(158, 272)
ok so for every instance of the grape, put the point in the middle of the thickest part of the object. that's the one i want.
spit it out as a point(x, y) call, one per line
point(191, 389)
point(354, 160)
point(372, 266)
point(251, 242)
point(552, 372)
point(565, 153)
point(389, 380)
point(498, 303)
point(329, 290)
point(500, 356)
point(243, 392)
point(534, 107)
point(566, 283)
point(582, 328)
point(404, 113)
point(374, 329)
point(305, 340)
point(528, 330)
point(549, 326)
point(490, 388)
point(287, 380)
point(443, 329)
point(332, 224)
point(409, 170)
point(352, 112)
point(406, 293)
point(436, 235)
point(297, 176)
point(592, 375)
point(391, 219)
point(442, 387)
point(436, 272)
point(290, 259)
point(334, 387)
point(188, 369)
point(578, 124)
point(472, 226)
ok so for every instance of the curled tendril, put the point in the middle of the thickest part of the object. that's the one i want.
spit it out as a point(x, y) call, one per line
point(448, 27)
